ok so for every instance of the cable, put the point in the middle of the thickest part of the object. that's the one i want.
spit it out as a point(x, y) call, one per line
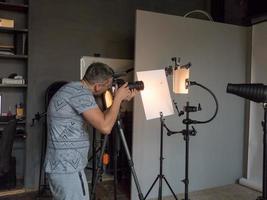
point(200, 11)
point(215, 99)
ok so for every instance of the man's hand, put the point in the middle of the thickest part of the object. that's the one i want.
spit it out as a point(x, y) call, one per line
point(123, 92)
point(132, 93)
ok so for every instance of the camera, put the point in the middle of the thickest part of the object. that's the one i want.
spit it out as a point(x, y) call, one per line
point(138, 85)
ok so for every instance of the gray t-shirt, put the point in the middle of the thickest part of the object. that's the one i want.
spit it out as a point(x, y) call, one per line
point(67, 139)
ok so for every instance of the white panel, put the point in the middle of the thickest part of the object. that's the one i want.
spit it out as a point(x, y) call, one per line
point(156, 87)
point(218, 55)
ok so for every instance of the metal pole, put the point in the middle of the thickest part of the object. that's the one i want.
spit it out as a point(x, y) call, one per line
point(161, 157)
point(264, 173)
point(186, 138)
point(115, 164)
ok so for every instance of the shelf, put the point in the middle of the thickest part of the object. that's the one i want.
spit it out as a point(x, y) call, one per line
point(14, 7)
point(14, 56)
point(13, 30)
point(13, 85)
point(19, 123)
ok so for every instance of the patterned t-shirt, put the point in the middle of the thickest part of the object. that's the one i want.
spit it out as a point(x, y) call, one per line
point(67, 139)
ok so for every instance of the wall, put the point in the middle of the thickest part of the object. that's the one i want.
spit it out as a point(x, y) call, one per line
point(218, 53)
point(61, 32)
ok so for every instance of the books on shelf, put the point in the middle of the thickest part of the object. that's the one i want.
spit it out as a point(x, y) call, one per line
point(6, 50)
point(11, 81)
point(6, 23)
point(21, 43)
point(6, 53)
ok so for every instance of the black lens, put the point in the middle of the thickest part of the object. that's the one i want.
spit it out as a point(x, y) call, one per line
point(255, 91)
point(138, 85)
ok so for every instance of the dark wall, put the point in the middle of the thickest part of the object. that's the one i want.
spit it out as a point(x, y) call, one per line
point(61, 31)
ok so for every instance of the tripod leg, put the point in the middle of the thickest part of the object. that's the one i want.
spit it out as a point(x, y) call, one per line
point(115, 164)
point(99, 165)
point(130, 161)
point(94, 157)
point(174, 195)
point(42, 173)
point(151, 186)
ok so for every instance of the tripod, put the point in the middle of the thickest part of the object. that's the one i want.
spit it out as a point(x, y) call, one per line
point(264, 174)
point(130, 163)
point(160, 176)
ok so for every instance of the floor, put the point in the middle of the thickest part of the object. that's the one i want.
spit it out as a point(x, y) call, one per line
point(228, 192)
point(104, 191)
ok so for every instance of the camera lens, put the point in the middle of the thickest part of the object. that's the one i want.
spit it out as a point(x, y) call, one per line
point(138, 85)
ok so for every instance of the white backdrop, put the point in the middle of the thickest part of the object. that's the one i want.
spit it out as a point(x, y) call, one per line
point(258, 75)
point(218, 55)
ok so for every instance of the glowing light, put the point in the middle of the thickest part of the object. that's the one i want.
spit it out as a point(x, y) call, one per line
point(180, 75)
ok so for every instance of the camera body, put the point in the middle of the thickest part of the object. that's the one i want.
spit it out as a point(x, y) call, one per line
point(138, 85)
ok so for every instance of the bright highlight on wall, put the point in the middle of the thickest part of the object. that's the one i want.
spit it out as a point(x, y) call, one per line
point(156, 95)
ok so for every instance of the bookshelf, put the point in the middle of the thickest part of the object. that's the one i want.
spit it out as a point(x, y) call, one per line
point(14, 60)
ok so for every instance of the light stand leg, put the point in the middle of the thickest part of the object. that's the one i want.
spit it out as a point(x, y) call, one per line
point(94, 158)
point(115, 164)
point(152, 186)
point(130, 161)
point(98, 168)
point(264, 173)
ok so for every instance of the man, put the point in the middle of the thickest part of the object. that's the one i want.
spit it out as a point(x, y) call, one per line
point(70, 109)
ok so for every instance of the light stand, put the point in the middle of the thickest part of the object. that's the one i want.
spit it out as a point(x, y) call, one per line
point(256, 92)
point(161, 176)
point(264, 174)
point(187, 132)
point(157, 103)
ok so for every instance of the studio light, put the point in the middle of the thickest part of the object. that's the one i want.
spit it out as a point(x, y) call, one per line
point(157, 103)
point(180, 78)
point(108, 98)
point(255, 91)
point(181, 84)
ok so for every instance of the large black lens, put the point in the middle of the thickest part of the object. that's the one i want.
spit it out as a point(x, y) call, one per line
point(254, 92)
point(138, 85)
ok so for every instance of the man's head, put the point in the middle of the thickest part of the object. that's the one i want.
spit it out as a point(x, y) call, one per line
point(99, 77)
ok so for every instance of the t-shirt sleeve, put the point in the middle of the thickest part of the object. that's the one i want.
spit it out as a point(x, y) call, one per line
point(82, 102)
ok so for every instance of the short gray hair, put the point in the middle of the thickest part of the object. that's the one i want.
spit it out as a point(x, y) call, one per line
point(98, 72)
